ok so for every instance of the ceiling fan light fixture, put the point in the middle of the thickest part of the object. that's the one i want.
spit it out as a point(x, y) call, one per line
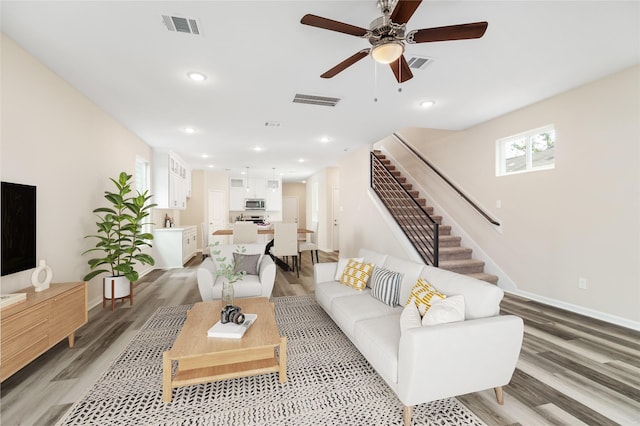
point(388, 52)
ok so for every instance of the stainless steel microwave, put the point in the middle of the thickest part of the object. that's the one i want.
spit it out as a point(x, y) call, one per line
point(254, 204)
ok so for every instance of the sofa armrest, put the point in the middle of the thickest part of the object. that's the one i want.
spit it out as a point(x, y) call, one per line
point(267, 273)
point(206, 278)
point(441, 361)
point(323, 272)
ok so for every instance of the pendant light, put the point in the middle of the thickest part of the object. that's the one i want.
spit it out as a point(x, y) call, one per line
point(273, 182)
point(247, 188)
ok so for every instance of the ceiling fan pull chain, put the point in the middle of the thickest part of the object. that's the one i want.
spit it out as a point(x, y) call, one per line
point(375, 82)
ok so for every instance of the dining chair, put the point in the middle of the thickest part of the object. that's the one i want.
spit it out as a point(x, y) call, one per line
point(206, 250)
point(285, 236)
point(310, 245)
point(245, 233)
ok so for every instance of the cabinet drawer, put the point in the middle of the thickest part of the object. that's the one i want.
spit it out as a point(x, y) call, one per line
point(23, 320)
point(16, 344)
point(68, 313)
point(22, 358)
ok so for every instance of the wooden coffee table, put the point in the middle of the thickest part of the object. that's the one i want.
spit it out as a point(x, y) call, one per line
point(204, 359)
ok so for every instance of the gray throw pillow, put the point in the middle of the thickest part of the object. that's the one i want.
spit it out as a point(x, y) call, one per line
point(246, 262)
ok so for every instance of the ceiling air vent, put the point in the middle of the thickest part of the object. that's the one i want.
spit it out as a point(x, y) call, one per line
point(315, 100)
point(419, 62)
point(181, 25)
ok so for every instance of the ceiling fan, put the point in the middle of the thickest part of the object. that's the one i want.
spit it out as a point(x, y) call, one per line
point(387, 35)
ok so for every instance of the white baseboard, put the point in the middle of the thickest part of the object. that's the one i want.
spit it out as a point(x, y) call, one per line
point(591, 313)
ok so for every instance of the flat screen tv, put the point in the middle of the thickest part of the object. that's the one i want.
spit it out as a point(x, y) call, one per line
point(18, 227)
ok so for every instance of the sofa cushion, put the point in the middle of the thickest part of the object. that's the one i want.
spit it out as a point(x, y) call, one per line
point(378, 339)
point(422, 293)
point(356, 274)
point(410, 273)
point(481, 299)
point(246, 262)
point(342, 263)
point(443, 311)
point(410, 317)
point(326, 292)
point(348, 310)
point(385, 286)
point(370, 256)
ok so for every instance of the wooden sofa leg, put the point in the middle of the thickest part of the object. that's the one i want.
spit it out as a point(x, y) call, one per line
point(499, 395)
point(406, 415)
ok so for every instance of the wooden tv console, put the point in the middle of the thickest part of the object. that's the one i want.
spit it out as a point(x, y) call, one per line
point(31, 327)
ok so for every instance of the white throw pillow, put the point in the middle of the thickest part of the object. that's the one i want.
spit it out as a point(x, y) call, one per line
point(443, 311)
point(410, 317)
point(342, 264)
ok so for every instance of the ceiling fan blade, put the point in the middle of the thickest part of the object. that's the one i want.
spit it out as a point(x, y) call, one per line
point(330, 24)
point(401, 70)
point(404, 10)
point(346, 63)
point(451, 32)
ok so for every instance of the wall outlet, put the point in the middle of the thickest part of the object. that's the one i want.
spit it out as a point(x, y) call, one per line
point(582, 283)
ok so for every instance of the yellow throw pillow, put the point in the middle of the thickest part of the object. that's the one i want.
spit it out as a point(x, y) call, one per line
point(356, 274)
point(421, 294)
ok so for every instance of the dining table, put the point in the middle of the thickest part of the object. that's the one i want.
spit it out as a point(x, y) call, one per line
point(267, 231)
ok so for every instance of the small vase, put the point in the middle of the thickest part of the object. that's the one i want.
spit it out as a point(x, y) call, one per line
point(39, 281)
point(227, 293)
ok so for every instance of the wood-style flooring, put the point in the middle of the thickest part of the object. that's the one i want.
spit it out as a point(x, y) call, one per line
point(573, 370)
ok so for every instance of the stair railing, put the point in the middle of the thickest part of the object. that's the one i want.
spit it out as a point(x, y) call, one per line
point(413, 219)
point(447, 181)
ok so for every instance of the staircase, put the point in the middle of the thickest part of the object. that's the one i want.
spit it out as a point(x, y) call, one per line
point(414, 222)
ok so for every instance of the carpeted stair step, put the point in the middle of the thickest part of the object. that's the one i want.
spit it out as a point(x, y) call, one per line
point(490, 278)
point(466, 266)
point(454, 253)
point(449, 241)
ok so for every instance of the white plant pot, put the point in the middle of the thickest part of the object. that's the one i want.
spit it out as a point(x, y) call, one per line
point(121, 287)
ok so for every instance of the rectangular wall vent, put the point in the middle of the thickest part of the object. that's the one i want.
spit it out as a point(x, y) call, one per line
point(315, 100)
point(181, 25)
point(419, 62)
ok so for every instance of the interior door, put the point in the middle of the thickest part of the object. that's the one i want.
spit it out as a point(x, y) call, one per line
point(335, 219)
point(290, 209)
point(216, 218)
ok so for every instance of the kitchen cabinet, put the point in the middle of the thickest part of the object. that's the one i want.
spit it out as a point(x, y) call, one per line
point(238, 191)
point(171, 181)
point(274, 195)
point(173, 247)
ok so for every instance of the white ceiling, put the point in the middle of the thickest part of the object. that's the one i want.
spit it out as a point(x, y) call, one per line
point(257, 56)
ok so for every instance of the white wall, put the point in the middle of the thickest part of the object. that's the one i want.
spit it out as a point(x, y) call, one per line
point(55, 138)
point(581, 219)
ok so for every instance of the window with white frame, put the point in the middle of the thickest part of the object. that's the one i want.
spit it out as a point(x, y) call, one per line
point(526, 152)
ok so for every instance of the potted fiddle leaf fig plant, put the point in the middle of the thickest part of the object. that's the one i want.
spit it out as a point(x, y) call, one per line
point(120, 238)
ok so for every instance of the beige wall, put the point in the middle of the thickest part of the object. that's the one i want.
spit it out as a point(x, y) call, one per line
point(55, 138)
point(581, 219)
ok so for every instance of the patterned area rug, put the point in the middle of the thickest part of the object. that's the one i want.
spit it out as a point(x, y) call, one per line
point(329, 383)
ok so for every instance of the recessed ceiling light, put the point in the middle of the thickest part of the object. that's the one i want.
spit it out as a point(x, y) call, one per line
point(210, 166)
point(301, 160)
point(324, 139)
point(257, 149)
point(196, 76)
point(205, 156)
point(427, 104)
point(189, 130)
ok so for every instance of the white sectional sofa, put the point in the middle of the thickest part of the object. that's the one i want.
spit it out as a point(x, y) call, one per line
point(252, 285)
point(430, 362)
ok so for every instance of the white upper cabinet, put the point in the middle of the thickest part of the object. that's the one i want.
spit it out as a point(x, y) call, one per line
point(171, 181)
point(274, 195)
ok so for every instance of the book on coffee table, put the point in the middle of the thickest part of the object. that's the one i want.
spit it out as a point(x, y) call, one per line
point(232, 330)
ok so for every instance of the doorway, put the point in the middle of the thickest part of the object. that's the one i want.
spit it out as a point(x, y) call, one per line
point(290, 209)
